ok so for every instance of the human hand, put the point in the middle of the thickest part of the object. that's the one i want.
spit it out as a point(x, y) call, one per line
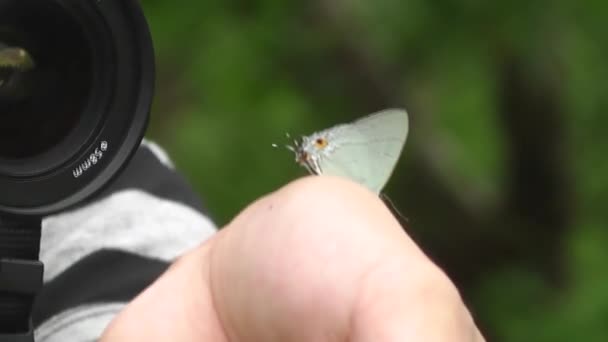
point(321, 259)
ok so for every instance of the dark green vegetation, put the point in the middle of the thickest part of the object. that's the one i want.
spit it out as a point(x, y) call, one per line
point(505, 174)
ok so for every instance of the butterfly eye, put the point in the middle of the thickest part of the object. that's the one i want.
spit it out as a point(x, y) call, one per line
point(320, 142)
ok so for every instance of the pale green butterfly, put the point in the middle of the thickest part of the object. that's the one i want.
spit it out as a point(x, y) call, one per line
point(365, 151)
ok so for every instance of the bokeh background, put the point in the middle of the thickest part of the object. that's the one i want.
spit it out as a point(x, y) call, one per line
point(504, 177)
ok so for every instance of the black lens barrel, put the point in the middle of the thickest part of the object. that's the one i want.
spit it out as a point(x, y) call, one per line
point(83, 108)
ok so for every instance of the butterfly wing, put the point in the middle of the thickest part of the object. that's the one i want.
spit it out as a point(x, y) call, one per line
point(367, 150)
point(349, 157)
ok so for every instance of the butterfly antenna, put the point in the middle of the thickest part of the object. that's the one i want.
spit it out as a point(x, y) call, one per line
point(289, 147)
point(394, 208)
point(296, 144)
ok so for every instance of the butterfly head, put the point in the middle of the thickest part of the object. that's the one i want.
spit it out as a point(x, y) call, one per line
point(310, 150)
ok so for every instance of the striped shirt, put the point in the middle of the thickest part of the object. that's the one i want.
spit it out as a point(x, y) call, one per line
point(102, 254)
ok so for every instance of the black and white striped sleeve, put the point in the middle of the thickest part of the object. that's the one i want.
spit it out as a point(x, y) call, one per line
point(101, 255)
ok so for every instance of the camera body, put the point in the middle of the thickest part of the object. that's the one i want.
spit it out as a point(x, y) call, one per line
point(70, 121)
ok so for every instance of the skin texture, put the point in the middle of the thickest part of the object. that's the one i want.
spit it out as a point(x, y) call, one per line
point(321, 259)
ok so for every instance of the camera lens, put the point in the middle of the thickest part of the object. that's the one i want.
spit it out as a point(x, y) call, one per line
point(40, 105)
point(76, 83)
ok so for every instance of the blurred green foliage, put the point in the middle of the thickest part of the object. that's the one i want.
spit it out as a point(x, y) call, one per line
point(235, 76)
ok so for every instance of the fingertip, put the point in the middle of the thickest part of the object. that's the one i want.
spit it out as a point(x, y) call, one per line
point(329, 197)
point(309, 242)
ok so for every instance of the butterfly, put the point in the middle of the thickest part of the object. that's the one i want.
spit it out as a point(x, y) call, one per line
point(365, 151)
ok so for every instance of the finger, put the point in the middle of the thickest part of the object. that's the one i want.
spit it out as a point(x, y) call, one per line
point(292, 266)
